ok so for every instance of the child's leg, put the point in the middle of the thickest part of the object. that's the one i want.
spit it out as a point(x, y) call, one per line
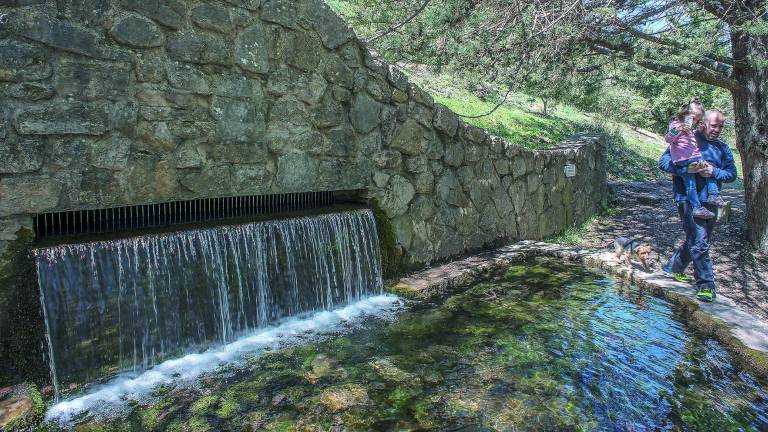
point(713, 193)
point(689, 179)
point(712, 188)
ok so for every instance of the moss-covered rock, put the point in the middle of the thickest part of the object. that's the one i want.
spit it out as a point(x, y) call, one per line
point(342, 397)
point(22, 410)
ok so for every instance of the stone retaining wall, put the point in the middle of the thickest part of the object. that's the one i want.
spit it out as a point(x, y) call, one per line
point(123, 102)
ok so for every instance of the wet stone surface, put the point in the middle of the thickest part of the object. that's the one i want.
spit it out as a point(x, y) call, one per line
point(538, 346)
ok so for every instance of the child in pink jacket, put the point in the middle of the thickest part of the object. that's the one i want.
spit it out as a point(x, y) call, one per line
point(681, 137)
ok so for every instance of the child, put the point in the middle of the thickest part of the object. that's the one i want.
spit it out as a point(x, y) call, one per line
point(685, 152)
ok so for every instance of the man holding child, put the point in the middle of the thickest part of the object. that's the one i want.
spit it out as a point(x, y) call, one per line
point(717, 163)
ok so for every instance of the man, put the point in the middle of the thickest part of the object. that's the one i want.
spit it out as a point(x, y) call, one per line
point(720, 165)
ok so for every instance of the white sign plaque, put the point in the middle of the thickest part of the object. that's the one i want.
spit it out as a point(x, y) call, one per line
point(570, 170)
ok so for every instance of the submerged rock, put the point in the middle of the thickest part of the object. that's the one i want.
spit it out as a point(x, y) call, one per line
point(343, 397)
point(324, 366)
point(389, 372)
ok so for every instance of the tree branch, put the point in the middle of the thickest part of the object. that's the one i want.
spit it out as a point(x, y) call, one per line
point(397, 26)
point(688, 71)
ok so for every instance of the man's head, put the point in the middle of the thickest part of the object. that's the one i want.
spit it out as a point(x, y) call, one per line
point(713, 124)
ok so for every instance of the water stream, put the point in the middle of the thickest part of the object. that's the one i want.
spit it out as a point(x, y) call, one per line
point(126, 305)
point(542, 345)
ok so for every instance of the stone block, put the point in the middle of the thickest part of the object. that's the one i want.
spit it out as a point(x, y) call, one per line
point(473, 134)
point(364, 113)
point(333, 31)
point(425, 183)
point(302, 50)
point(342, 173)
point(136, 31)
point(251, 179)
point(409, 138)
point(211, 180)
point(248, 153)
point(336, 72)
point(62, 35)
point(93, 79)
point(450, 191)
point(397, 196)
point(149, 67)
point(187, 77)
point(399, 96)
point(19, 155)
point(238, 121)
point(454, 153)
point(296, 172)
point(283, 12)
point(237, 86)
point(421, 114)
point(251, 51)
point(388, 159)
point(155, 137)
point(445, 120)
point(22, 62)
point(28, 194)
point(341, 141)
point(519, 166)
point(416, 164)
point(169, 13)
point(502, 166)
point(62, 119)
point(200, 48)
point(380, 179)
point(111, 152)
point(252, 5)
point(420, 96)
point(350, 54)
point(91, 13)
point(31, 91)
point(397, 78)
point(212, 17)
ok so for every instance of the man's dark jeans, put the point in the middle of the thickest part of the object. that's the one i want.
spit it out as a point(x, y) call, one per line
point(696, 247)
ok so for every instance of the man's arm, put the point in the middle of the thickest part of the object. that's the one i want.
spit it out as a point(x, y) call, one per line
point(727, 171)
point(666, 164)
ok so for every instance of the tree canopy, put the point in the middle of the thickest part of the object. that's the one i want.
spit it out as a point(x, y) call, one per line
point(717, 43)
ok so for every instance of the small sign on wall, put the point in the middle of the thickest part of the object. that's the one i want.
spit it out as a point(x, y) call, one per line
point(570, 169)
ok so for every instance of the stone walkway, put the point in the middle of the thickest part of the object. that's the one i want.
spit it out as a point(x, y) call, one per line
point(743, 326)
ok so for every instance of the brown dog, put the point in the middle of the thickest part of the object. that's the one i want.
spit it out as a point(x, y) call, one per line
point(627, 248)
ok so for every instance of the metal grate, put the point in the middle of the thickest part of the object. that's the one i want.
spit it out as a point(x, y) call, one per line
point(117, 219)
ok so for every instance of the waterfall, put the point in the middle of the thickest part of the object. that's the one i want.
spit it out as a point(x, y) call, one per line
point(127, 304)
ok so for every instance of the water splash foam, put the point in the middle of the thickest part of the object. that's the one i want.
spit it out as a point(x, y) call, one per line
point(109, 397)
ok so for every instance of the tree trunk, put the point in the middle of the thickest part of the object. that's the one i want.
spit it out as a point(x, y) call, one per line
point(750, 106)
point(544, 102)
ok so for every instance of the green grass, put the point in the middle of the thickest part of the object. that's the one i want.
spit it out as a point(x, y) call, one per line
point(632, 154)
point(520, 120)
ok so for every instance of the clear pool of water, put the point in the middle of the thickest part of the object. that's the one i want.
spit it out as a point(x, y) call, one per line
point(543, 345)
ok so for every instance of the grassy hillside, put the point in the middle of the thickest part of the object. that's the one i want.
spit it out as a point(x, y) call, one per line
point(520, 120)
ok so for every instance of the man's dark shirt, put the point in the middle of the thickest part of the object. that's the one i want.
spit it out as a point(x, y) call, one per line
point(715, 152)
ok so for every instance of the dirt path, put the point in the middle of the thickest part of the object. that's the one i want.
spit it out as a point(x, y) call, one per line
point(740, 275)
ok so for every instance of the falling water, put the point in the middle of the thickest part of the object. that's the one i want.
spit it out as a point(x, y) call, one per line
point(127, 304)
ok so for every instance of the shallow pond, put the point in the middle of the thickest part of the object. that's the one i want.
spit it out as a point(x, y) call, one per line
point(542, 346)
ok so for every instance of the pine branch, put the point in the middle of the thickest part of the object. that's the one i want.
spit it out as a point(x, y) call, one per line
point(402, 23)
point(688, 71)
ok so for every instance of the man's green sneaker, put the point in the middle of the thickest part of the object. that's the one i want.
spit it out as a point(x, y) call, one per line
point(706, 294)
point(681, 277)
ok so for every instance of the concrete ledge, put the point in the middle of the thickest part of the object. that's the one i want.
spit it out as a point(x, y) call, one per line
point(744, 335)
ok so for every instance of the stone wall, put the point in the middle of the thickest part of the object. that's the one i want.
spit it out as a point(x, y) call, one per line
point(107, 103)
